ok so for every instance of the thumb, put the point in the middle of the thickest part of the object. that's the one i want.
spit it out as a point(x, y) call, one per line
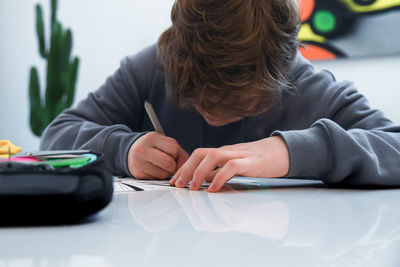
point(183, 156)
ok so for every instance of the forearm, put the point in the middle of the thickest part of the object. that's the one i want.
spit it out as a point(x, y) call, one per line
point(355, 157)
point(337, 137)
point(71, 133)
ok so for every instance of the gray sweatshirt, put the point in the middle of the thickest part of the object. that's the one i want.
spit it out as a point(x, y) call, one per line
point(330, 130)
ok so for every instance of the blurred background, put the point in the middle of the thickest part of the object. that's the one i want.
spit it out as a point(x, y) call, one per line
point(104, 32)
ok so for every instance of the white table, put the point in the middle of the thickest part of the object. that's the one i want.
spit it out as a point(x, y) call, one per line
point(273, 222)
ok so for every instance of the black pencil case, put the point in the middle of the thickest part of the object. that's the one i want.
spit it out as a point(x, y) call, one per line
point(37, 194)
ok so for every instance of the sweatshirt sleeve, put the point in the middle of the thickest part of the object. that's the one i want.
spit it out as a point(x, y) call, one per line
point(348, 142)
point(109, 119)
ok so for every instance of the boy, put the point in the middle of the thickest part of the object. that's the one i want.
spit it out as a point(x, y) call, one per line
point(230, 88)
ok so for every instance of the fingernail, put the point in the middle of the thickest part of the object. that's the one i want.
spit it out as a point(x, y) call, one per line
point(212, 188)
point(179, 183)
point(193, 185)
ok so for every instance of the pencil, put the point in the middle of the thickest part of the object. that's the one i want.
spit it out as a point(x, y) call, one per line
point(153, 117)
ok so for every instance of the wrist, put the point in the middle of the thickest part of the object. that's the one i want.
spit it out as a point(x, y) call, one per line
point(282, 155)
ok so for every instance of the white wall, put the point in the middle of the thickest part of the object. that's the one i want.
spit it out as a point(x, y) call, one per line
point(106, 31)
point(378, 78)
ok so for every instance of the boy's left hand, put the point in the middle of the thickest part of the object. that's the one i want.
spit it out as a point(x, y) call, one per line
point(267, 157)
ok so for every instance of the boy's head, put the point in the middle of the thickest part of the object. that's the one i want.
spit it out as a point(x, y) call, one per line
point(229, 58)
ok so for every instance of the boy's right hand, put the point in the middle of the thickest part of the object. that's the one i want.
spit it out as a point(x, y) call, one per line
point(155, 156)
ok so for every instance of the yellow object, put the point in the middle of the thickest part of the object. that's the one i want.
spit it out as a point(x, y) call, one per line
point(377, 6)
point(7, 148)
point(306, 34)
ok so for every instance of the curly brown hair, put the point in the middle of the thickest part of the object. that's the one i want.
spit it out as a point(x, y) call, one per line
point(229, 56)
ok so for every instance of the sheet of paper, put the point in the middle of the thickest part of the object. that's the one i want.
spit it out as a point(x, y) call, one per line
point(134, 185)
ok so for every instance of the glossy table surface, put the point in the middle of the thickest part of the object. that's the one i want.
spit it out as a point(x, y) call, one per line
point(268, 222)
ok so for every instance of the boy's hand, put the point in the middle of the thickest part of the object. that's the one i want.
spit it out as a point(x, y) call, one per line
point(155, 156)
point(267, 157)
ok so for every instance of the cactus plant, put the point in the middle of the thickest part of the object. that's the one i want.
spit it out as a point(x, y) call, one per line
point(61, 72)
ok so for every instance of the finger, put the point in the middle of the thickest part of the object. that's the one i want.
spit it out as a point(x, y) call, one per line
point(206, 166)
point(211, 175)
point(183, 156)
point(161, 159)
point(167, 145)
point(230, 169)
point(213, 159)
point(188, 168)
point(175, 177)
point(147, 170)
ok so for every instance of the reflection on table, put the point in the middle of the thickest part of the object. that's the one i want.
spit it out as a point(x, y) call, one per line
point(282, 223)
